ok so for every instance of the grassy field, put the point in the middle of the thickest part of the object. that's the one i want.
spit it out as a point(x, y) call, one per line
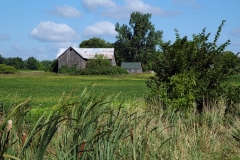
point(46, 88)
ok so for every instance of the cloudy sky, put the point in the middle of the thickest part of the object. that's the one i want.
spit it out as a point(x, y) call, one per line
point(39, 28)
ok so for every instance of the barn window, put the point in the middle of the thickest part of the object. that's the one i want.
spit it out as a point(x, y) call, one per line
point(70, 49)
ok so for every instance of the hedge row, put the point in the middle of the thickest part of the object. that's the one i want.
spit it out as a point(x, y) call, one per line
point(115, 70)
point(102, 70)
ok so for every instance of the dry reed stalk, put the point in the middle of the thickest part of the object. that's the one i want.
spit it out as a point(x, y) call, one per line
point(81, 149)
point(131, 134)
point(146, 148)
point(24, 136)
point(9, 125)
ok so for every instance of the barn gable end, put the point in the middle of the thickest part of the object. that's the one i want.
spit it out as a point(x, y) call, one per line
point(70, 57)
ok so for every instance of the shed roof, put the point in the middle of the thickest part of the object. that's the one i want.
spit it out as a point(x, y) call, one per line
point(89, 53)
point(132, 65)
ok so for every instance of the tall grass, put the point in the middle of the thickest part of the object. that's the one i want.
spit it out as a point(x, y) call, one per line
point(94, 126)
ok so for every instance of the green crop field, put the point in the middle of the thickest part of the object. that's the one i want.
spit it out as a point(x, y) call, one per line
point(46, 89)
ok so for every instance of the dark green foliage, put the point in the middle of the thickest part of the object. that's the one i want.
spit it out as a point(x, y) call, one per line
point(95, 43)
point(68, 70)
point(32, 63)
point(192, 71)
point(54, 66)
point(138, 41)
point(4, 69)
point(45, 65)
point(15, 62)
point(103, 70)
point(98, 61)
point(1, 59)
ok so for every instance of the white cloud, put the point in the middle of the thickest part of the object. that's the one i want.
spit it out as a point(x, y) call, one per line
point(5, 37)
point(186, 3)
point(93, 5)
point(235, 32)
point(52, 32)
point(100, 29)
point(65, 11)
point(133, 6)
point(123, 11)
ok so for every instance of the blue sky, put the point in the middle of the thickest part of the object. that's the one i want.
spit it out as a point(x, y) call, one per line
point(39, 28)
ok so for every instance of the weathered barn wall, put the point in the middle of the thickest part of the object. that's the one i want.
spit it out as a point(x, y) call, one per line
point(69, 58)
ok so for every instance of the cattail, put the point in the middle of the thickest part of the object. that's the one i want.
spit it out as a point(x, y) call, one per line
point(9, 125)
point(131, 134)
point(81, 148)
point(24, 136)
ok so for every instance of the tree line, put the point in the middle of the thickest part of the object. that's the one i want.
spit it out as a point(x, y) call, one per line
point(29, 64)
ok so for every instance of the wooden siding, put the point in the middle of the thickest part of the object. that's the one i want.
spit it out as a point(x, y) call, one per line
point(69, 58)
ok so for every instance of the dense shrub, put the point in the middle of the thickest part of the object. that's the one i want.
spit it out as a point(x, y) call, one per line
point(4, 69)
point(69, 70)
point(103, 70)
point(192, 72)
point(98, 61)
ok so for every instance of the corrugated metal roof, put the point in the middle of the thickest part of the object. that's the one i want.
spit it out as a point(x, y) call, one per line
point(131, 65)
point(89, 53)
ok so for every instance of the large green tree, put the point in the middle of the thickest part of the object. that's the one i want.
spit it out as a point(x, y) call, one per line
point(32, 63)
point(138, 41)
point(95, 43)
point(192, 71)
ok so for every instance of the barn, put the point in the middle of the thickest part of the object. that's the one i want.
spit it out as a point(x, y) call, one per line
point(132, 67)
point(79, 56)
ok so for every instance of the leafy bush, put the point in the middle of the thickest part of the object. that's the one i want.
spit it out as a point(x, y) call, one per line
point(4, 69)
point(68, 70)
point(103, 70)
point(98, 61)
point(192, 71)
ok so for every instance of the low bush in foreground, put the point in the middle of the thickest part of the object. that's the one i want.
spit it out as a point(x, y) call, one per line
point(4, 69)
point(91, 126)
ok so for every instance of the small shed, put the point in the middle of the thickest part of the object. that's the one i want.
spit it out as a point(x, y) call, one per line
point(79, 56)
point(132, 67)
